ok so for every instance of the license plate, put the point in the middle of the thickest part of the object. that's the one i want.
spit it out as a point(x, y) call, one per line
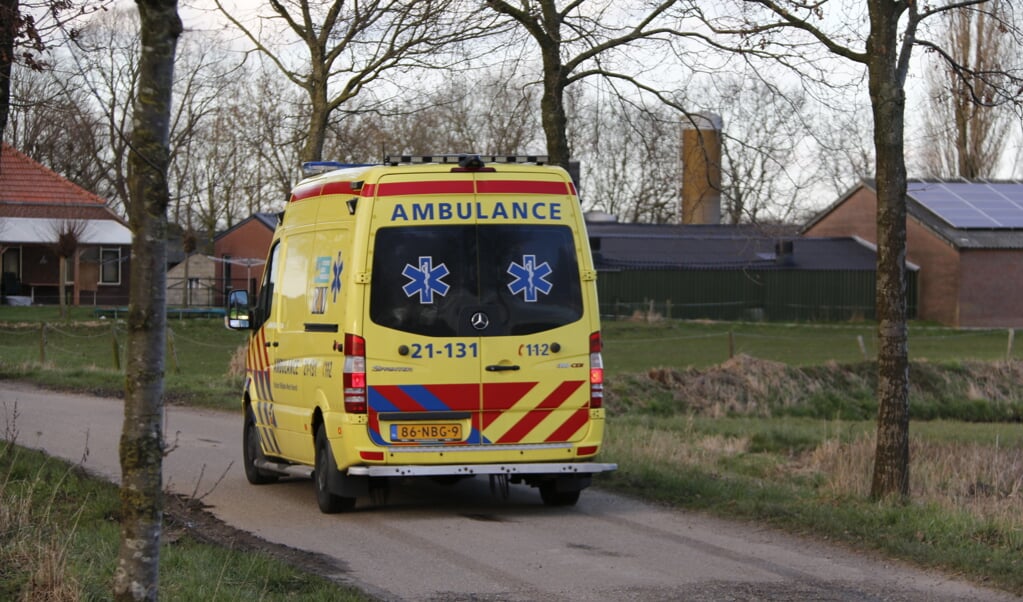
point(426, 432)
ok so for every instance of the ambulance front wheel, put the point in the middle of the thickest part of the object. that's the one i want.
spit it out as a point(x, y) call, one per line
point(252, 452)
point(326, 466)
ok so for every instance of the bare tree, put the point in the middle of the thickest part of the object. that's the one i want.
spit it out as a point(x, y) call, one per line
point(846, 147)
point(966, 127)
point(106, 55)
point(67, 235)
point(629, 156)
point(207, 162)
point(209, 89)
point(27, 30)
point(575, 41)
point(351, 46)
point(451, 119)
point(53, 123)
point(765, 128)
point(142, 446)
point(273, 131)
point(783, 28)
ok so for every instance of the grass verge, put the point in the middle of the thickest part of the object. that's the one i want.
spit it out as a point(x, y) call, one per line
point(59, 538)
point(812, 477)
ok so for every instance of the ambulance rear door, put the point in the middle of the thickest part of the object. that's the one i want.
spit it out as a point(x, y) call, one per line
point(535, 350)
point(422, 354)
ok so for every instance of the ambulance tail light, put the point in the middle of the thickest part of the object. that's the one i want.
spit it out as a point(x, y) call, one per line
point(596, 371)
point(355, 374)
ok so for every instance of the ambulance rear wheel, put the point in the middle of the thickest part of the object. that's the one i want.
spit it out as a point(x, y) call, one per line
point(325, 466)
point(252, 452)
point(552, 497)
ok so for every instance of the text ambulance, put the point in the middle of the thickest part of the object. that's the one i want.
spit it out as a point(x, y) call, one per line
point(431, 316)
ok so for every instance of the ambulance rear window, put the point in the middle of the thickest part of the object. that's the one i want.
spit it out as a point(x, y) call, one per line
point(431, 280)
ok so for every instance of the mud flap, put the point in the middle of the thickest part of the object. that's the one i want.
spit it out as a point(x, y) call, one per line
point(347, 485)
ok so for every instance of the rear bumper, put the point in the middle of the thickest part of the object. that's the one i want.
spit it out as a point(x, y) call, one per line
point(536, 468)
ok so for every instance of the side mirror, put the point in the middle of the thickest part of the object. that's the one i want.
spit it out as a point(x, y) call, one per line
point(237, 316)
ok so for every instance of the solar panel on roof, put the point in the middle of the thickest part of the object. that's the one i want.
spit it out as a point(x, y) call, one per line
point(972, 204)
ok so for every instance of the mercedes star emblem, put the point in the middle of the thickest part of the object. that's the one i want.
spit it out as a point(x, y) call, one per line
point(479, 321)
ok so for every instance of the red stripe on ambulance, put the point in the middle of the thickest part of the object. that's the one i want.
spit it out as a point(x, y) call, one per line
point(457, 397)
point(571, 426)
point(499, 397)
point(427, 187)
point(450, 187)
point(521, 187)
point(535, 417)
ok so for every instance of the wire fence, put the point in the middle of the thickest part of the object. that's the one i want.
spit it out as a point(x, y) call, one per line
point(631, 345)
point(203, 347)
point(104, 346)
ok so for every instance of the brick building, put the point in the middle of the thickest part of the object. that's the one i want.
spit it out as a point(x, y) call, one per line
point(240, 252)
point(966, 237)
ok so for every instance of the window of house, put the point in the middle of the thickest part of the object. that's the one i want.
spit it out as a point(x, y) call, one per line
point(10, 271)
point(110, 265)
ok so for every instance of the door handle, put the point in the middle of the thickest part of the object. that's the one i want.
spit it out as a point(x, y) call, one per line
point(501, 368)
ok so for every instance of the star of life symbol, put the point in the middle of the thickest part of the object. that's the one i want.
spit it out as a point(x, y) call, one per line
point(338, 267)
point(425, 280)
point(530, 278)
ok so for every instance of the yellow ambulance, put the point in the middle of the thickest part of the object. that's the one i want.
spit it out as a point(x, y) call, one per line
point(426, 317)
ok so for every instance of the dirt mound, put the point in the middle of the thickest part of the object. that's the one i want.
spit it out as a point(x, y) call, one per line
point(749, 386)
point(741, 385)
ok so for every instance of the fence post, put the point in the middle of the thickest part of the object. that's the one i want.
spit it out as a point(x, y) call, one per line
point(173, 352)
point(116, 349)
point(1008, 351)
point(863, 346)
point(42, 343)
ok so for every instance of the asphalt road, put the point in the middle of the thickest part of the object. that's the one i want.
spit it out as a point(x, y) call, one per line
point(461, 542)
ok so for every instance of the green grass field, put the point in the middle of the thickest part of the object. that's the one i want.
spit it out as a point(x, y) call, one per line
point(90, 354)
point(637, 346)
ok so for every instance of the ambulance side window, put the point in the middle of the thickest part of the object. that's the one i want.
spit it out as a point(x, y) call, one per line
point(266, 291)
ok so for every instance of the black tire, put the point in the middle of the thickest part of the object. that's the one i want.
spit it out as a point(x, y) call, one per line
point(328, 502)
point(252, 452)
point(552, 497)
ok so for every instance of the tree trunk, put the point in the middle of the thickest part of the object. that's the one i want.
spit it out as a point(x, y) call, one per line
point(888, 99)
point(141, 449)
point(552, 109)
point(318, 117)
point(8, 26)
point(62, 285)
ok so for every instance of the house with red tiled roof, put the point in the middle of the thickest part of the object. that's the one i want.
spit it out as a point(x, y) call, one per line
point(36, 206)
